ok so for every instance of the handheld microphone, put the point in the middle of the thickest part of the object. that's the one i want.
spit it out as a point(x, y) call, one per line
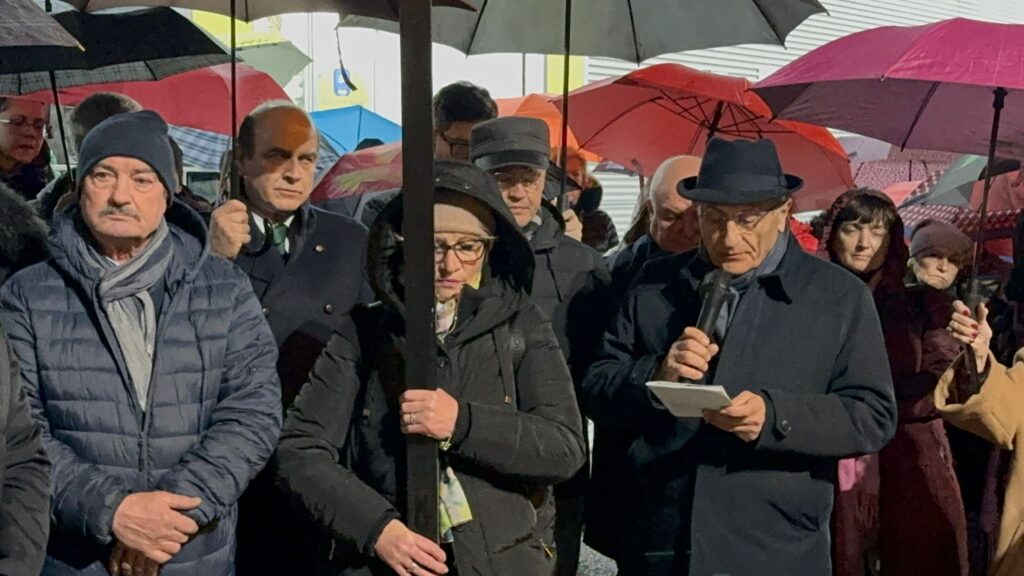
point(714, 290)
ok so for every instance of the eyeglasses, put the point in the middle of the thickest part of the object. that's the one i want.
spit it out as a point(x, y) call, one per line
point(459, 147)
point(508, 180)
point(21, 121)
point(103, 179)
point(466, 251)
point(746, 220)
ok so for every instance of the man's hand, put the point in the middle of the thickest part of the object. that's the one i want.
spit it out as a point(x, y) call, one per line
point(151, 523)
point(744, 418)
point(688, 357)
point(229, 229)
point(573, 226)
point(431, 413)
point(408, 553)
point(128, 562)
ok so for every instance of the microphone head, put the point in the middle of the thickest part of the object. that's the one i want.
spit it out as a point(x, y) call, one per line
point(715, 281)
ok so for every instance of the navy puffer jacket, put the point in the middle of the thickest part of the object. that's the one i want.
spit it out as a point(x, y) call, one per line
point(213, 414)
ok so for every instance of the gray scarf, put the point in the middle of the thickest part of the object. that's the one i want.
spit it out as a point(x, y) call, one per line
point(739, 285)
point(124, 297)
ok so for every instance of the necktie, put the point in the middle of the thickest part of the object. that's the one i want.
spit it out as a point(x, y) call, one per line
point(277, 234)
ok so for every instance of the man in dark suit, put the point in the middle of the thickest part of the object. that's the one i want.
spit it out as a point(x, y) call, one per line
point(306, 267)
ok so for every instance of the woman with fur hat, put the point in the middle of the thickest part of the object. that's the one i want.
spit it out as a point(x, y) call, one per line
point(902, 504)
point(504, 414)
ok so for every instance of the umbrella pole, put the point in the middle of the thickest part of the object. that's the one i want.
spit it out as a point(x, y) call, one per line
point(974, 285)
point(234, 185)
point(421, 476)
point(60, 113)
point(60, 124)
point(563, 201)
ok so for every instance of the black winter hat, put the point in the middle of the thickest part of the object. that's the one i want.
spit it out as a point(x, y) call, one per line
point(739, 172)
point(510, 141)
point(140, 135)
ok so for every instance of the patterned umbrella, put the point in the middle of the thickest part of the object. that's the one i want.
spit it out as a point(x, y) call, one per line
point(28, 35)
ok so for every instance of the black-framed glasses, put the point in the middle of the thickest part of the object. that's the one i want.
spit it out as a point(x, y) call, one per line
point(21, 121)
point(459, 147)
point(746, 220)
point(508, 180)
point(468, 251)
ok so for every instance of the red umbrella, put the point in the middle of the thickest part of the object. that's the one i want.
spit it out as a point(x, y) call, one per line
point(197, 99)
point(640, 119)
point(540, 106)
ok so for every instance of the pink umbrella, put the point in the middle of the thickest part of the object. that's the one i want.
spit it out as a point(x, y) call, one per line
point(937, 87)
point(642, 118)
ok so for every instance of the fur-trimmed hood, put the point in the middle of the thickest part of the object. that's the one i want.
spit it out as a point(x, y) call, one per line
point(22, 234)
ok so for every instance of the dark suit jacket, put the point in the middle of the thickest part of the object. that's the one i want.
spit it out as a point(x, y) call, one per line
point(305, 295)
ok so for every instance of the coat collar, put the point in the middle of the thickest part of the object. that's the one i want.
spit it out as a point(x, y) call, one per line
point(304, 223)
point(779, 284)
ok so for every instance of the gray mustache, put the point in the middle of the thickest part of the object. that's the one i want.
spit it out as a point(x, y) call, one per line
point(119, 211)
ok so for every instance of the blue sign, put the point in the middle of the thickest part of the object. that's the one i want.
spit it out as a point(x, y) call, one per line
point(340, 87)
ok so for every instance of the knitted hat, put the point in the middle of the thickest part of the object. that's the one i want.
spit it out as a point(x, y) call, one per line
point(140, 135)
point(936, 234)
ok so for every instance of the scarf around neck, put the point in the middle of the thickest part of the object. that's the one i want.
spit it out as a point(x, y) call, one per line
point(124, 298)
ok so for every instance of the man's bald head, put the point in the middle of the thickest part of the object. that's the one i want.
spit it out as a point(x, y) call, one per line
point(673, 224)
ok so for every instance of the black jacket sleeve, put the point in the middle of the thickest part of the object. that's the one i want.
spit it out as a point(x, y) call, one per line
point(857, 415)
point(541, 441)
point(25, 508)
point(308, 465)
point(614, 392)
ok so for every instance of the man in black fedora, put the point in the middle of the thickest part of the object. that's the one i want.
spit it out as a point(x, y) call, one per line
point(746, 490)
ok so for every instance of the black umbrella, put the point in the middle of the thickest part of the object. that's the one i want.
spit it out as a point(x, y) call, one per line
point(28, 35)
point(139, 45)
point(250, 10)
point(147, 44)
point(625, 29)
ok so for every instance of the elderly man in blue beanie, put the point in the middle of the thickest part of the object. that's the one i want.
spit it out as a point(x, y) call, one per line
point(148, 366)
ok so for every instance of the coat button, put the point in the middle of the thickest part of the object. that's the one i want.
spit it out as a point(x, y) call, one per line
point(442, 361)
point(266, 311)
point(784, 427)
point(329, 308)
point(319, 248)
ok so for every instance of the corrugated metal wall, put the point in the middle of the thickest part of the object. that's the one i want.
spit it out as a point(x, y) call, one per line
point(756, 62)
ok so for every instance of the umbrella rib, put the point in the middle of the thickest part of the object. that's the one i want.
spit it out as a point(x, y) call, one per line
point(632, 24)
point(764, 16)
point(476, 26)
point(920, 112)
point(617, 117)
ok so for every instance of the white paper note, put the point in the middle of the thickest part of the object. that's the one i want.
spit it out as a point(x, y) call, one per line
point(689, 400)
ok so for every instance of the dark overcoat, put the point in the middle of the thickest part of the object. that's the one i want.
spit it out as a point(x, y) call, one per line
point(304, 298)
point(305, 295)
point(518, 429)
point(702, 502)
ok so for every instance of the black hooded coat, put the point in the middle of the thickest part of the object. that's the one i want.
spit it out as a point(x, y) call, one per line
point(22, 234)
point(342, 454)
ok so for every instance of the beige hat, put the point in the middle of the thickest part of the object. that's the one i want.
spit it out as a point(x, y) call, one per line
point(463, 215)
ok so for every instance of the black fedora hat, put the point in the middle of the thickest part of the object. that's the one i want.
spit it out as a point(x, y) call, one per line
point(739, 172)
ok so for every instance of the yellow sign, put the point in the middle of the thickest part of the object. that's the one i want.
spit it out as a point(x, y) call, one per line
point(553, 82)
point(219, 25)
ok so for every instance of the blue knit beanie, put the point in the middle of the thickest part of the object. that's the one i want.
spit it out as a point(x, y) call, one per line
point(140, 135)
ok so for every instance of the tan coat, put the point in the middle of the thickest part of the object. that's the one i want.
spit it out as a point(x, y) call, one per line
point(996, 413)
